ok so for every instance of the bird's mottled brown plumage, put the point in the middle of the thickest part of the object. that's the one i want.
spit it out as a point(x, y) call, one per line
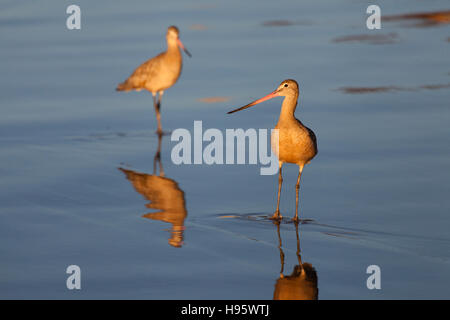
point(297, 143)
point(158, 73)
point(294, 143)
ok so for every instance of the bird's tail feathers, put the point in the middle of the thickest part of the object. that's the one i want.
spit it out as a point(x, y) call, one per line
point(124, 86)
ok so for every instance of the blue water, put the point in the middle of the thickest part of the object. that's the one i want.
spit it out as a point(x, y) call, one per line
point(377, 192)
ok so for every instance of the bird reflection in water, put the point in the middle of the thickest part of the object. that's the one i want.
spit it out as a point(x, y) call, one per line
point(164, 195)
point(302, 283)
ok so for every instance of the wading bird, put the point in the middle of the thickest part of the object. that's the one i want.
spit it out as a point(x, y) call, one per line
point(158, 73)
point(296, 143)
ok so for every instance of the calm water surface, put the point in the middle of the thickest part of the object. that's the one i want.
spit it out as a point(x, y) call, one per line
point(377, 193)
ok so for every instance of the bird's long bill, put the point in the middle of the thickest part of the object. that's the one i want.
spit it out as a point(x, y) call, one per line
point(180, 44)
point(269, 96)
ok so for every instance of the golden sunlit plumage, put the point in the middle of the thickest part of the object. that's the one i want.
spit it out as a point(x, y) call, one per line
point(158, 73)
point(296, 143)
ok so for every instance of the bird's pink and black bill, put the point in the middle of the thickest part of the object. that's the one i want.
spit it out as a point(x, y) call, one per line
point(251, 104)
point(181, 45)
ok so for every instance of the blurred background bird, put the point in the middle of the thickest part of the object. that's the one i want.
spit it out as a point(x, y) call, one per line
point(158, 73)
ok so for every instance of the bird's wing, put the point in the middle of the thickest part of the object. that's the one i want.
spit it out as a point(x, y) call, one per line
point(313, 138)
point(311, 133)
point(142, 74)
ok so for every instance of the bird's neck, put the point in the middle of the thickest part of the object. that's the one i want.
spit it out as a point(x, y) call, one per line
point(288, 108)
point(172, 47)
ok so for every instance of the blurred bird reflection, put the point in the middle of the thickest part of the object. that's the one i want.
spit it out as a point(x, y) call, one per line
point(302, 283)
point(164, 195)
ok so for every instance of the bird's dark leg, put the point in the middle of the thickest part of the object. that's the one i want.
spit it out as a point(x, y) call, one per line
point(159, 111)
point(297, 187)
point(160, 98)
point(277, 215)
point(281, 249)
point(157, 105)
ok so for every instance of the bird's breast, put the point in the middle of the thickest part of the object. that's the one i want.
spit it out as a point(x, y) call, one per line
point(295, 144)
point(167, 73)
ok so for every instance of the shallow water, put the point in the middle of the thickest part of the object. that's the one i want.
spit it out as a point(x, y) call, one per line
point(377, 193)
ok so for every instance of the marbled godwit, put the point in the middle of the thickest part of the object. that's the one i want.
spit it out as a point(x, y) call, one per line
point(158, 73)
point(297, 143)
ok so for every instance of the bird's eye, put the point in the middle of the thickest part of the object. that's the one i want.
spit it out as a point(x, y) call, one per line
point(285, 85)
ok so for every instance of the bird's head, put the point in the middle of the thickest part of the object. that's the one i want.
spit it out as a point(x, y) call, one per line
point(173, 36)
point(287, 88)
point(173, 32)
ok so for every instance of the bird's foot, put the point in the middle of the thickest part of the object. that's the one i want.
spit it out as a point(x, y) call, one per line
point(276, 216)
point(162, 133)
point(295, 219)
